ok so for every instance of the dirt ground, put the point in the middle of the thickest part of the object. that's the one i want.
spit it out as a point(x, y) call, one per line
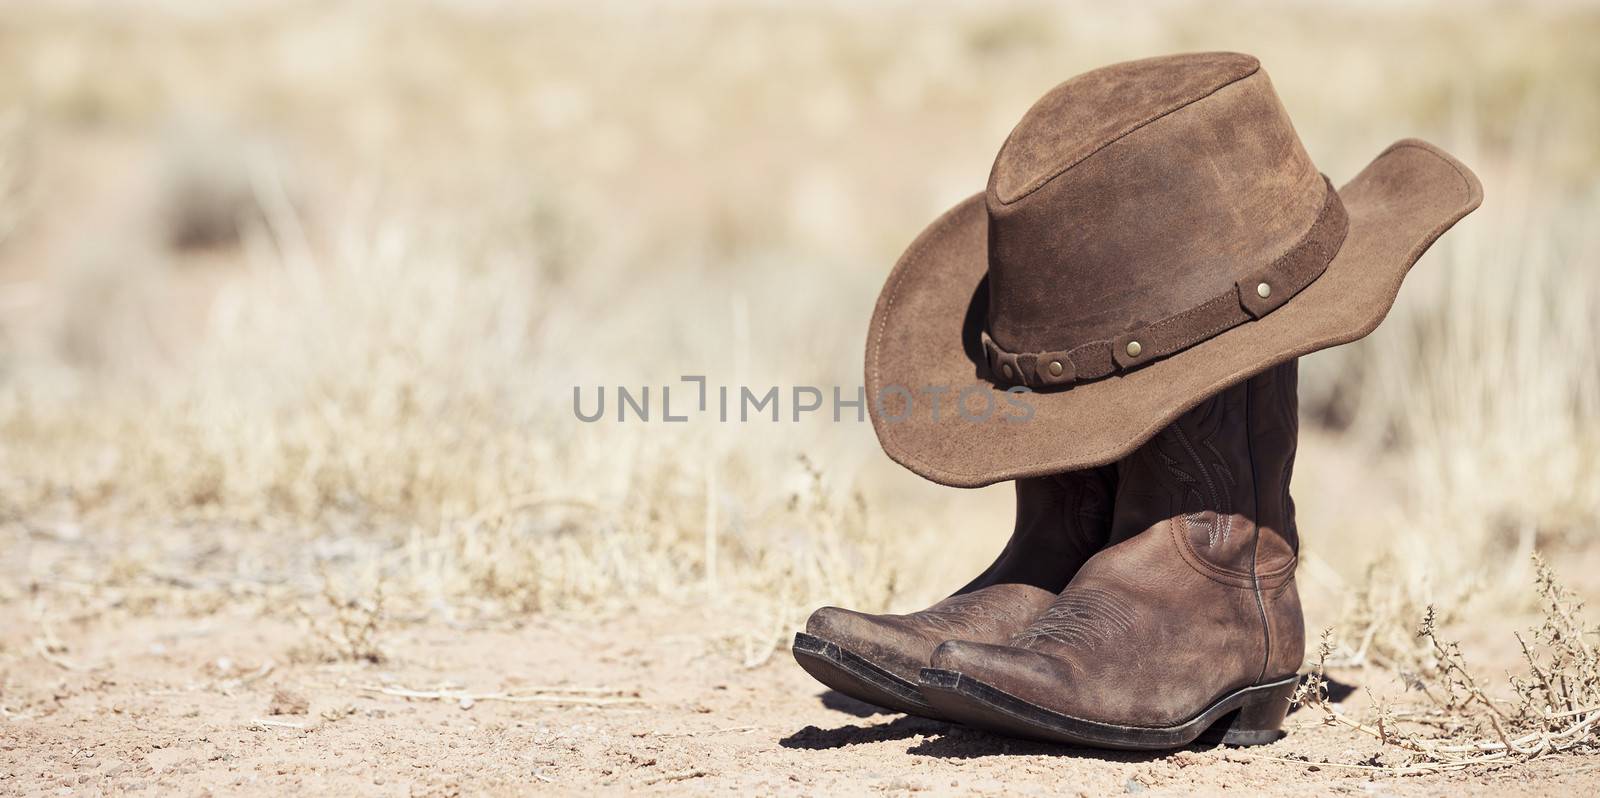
point(223, 704)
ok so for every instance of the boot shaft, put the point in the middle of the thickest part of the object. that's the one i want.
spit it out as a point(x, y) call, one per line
point(1061, 521)
point(1218, 480)
point(1221, 474)
point(1274, 436)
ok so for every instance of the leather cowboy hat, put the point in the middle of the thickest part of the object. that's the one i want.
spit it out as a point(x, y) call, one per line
point(1152, 233)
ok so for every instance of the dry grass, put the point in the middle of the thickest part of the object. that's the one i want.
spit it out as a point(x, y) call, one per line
point(421, 230)
point(347, 629)
point(1553, 707)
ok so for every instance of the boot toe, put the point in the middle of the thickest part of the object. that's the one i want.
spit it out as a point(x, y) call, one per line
point(1026, 674)
point(964, 656)
point(841, 626)
point(880, 639)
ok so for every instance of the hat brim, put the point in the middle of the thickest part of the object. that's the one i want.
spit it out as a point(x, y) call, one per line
point(922, 345)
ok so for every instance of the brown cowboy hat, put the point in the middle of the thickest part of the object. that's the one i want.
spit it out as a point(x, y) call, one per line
point(1152, 233)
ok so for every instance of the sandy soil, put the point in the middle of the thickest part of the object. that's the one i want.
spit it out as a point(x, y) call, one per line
point(222, 704)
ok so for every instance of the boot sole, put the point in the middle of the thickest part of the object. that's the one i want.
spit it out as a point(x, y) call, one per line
point(1249, 716)
point(857, 677)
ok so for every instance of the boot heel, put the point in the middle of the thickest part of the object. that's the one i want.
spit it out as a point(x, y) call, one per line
point(1258, 722)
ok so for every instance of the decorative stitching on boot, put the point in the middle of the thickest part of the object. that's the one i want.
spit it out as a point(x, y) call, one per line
point(1216, 501)
point(1080, 616)
point(964, 616)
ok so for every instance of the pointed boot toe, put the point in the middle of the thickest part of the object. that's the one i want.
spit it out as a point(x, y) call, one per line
point(867, 657)
point(890, 642)
point(998, 688)
point(1061, 521)
point(995, 662)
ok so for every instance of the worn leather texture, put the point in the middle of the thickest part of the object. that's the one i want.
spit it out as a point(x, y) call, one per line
point(1061, 522)
point(1129, 195)
point(1194, 596)
point(1260, 291)
point(1153, 223)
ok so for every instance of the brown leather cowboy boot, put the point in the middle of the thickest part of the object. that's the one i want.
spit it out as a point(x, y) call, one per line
point(1187, 621)
point(1061, 521)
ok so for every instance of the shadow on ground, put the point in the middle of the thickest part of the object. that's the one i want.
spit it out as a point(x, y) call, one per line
point(951, 741)
point(839, 702)
point(963, 743)
point(814, 738)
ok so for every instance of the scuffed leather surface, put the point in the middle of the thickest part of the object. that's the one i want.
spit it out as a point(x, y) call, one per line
point(1194, 596)
point(1285, 276)
point(1156, 222)
point(1061, 522)
point(1085, 113)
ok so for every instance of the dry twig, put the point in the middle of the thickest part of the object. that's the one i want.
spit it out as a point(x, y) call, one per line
point(1556, 708)
point(608, 696)
point(678, 776)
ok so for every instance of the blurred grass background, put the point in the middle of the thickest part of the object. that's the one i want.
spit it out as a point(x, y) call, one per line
point(295, 283)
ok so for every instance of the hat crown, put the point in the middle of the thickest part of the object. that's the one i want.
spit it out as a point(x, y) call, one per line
point(1134, 192)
